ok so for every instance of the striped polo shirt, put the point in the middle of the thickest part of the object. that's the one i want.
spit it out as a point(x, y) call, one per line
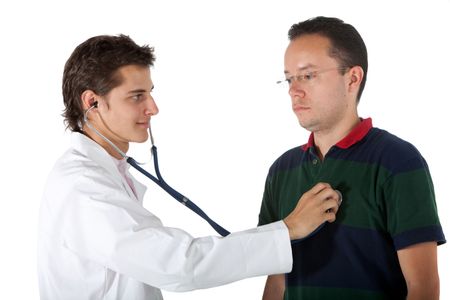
point(389, 204)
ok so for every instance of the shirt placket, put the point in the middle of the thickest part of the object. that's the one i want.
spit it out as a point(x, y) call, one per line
point(317, 165)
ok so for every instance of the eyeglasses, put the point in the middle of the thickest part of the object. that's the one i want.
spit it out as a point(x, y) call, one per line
point(308, 77)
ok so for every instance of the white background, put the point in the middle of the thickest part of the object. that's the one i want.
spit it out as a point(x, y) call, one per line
point(222, 119)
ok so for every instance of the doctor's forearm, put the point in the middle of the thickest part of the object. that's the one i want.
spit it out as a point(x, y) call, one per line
point(213, 261)
point(260, 251)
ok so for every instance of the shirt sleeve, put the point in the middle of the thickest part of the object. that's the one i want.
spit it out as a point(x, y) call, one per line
point(412, 215)
point(268, 212)
point(104, 225)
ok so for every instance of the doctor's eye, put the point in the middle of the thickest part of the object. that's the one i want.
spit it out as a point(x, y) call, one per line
point(137, 97)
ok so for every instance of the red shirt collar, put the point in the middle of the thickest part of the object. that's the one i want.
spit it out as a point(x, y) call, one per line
point(357, 134)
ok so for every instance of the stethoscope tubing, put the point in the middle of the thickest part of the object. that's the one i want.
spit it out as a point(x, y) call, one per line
point(174, 193)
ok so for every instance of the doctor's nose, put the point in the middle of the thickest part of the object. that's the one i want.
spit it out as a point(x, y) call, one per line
point(151, 107)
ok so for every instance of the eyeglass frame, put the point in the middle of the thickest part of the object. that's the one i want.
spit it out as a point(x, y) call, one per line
point(313, 74)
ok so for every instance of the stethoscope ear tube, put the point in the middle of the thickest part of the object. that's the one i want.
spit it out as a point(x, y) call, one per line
point(178, 196)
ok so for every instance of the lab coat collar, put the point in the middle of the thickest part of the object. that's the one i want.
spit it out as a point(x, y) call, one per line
point(98, 154)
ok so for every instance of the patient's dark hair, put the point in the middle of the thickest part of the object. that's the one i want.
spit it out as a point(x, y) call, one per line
point(347, 45)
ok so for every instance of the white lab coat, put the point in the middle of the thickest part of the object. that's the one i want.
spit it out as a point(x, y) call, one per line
point(97, 241)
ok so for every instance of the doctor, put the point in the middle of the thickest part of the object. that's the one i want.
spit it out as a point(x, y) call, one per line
point(96, 240)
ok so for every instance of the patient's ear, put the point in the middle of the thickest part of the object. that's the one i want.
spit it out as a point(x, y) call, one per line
point(356, 74)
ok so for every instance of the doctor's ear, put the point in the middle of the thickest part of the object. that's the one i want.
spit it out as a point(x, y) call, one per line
point(89, 99)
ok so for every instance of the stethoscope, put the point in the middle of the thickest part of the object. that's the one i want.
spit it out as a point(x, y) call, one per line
point(166, 187)
point(158, 179)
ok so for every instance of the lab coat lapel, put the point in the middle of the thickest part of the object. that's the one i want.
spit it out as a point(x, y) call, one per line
point(98, 154)
point(139, 187)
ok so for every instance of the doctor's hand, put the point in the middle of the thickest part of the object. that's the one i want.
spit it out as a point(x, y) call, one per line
point(316, 206)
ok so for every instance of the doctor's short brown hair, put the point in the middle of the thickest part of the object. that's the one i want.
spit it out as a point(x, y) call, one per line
point(93, 65)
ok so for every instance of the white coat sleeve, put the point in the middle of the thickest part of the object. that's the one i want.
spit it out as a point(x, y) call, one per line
point(102, 224)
